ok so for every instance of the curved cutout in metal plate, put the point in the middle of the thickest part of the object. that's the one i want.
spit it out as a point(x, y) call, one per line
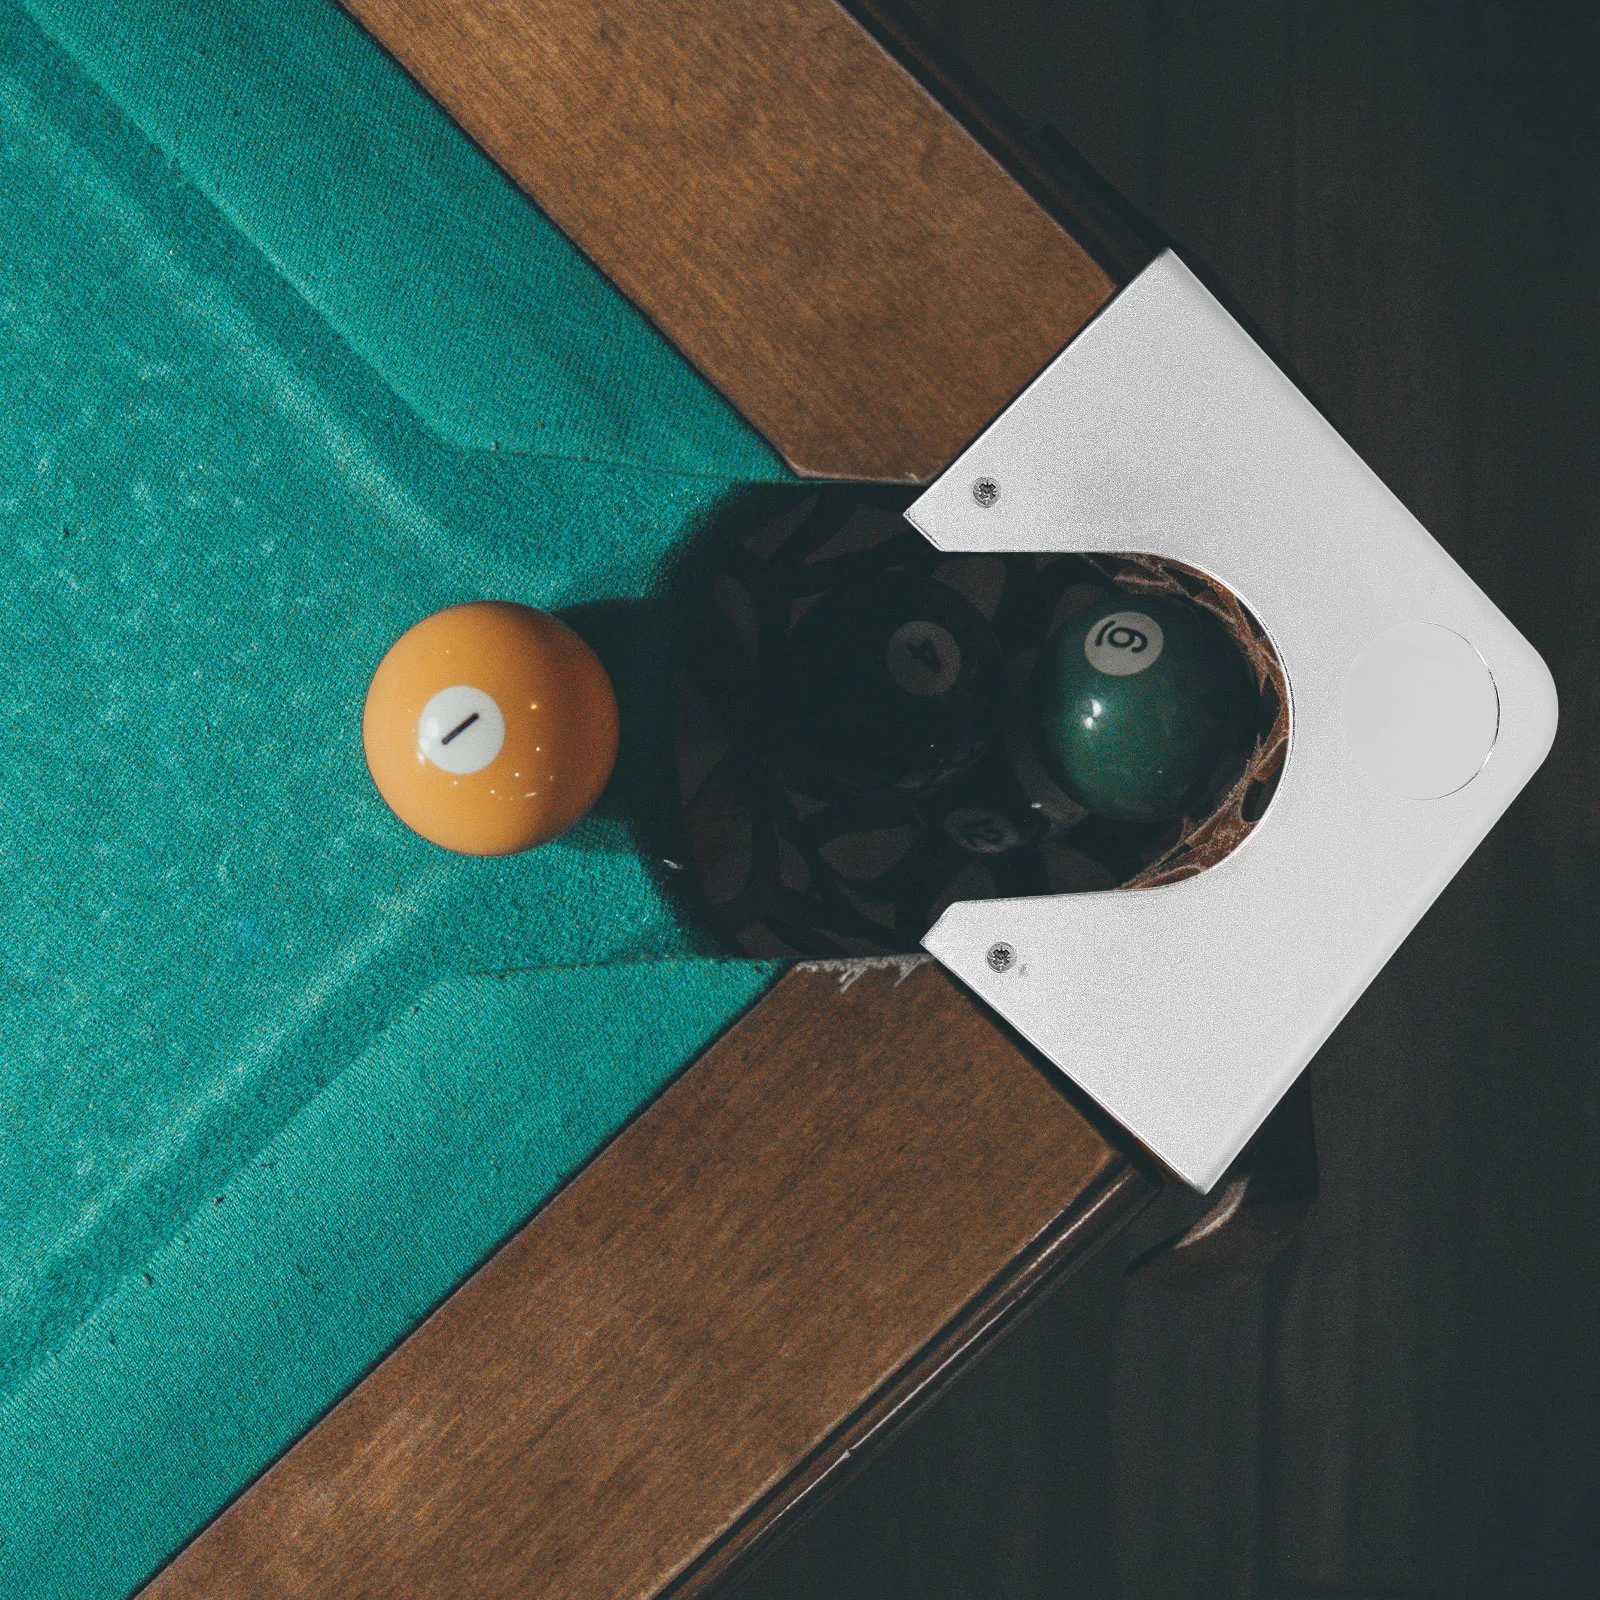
point(1417, 713)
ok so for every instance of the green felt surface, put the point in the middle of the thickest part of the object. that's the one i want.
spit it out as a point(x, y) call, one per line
point(285, 365)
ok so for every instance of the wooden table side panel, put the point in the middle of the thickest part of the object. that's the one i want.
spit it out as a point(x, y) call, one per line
point(837, 254)
point(740, 1271)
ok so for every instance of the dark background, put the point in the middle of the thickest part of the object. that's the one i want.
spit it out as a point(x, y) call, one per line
point(1404, 199)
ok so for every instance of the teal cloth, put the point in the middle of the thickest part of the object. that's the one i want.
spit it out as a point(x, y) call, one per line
point(284, 366)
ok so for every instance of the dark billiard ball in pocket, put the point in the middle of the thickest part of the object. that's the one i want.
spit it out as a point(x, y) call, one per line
point(1142, 708)
point(985, 813)
point(892, 688)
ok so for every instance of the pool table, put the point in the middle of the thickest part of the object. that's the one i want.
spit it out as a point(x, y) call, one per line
point(286, 362)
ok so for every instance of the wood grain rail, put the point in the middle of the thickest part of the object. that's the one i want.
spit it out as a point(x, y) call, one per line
point(839, 255)
point(767, 1268)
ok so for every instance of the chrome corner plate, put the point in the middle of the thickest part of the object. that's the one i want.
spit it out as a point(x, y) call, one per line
point(1187, 1010)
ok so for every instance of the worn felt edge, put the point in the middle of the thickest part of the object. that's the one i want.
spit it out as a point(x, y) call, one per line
point(380, 1196)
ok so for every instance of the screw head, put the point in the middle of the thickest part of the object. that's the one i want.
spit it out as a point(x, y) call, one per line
point(985, 491)
point(1002, 957)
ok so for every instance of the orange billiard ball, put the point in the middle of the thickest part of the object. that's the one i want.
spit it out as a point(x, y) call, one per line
point(490, 728)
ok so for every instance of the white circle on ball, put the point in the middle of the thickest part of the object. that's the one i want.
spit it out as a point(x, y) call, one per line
point(1123, 643)
point(923, 658)
point(982, 831)
point(1421, 711)
point(461, 729)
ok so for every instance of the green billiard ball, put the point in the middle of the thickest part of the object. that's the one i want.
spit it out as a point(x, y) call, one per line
point(1142, 708)
point(891, 687)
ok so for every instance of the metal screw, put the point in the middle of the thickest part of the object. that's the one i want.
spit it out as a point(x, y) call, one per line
point(986, 491)
point(1001, 957)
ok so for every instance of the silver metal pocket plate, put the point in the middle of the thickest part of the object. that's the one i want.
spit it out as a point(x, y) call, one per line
point(1417, 714)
